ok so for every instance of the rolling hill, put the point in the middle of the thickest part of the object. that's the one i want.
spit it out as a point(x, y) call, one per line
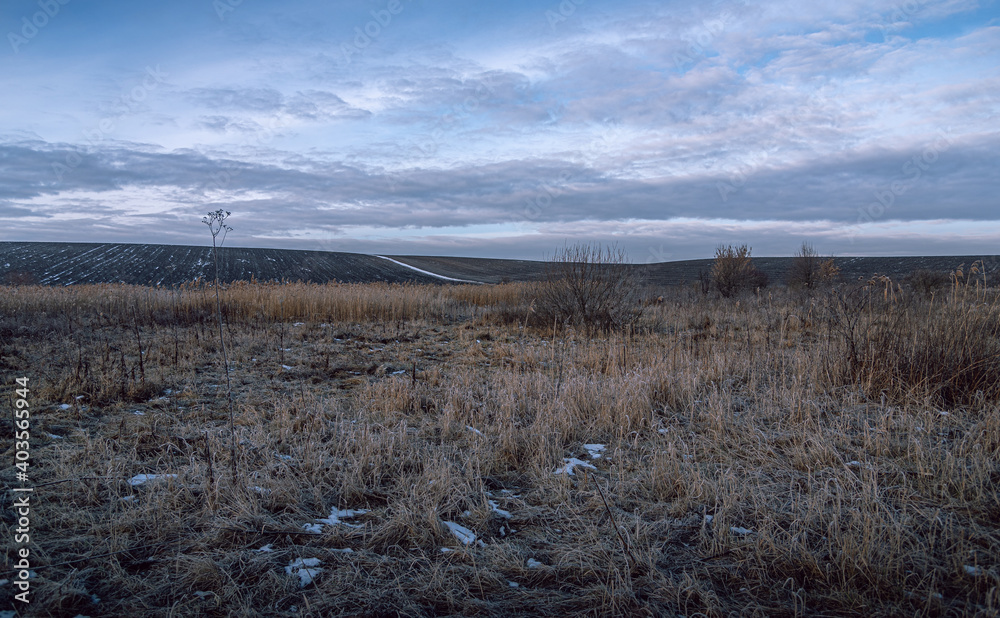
point(151, 264)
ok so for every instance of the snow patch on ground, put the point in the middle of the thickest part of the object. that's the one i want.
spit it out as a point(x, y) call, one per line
point(463, 534)
point(499, 511)
point(336, 517)
point(140, 479)
point(306, 568)
point(595, 450)
point(571, 464)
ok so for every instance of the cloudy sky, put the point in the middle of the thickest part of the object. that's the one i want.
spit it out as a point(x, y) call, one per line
point(505, 129)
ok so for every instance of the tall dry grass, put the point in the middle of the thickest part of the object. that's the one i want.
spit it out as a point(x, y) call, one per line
point(903, 346)
point(751, 465)
point(247, 301)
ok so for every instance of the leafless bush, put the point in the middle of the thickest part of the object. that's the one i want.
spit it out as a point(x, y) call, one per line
point(733, 271)
point(809, 270)
point(927, 283)
point(704, 282)
point(591, 288)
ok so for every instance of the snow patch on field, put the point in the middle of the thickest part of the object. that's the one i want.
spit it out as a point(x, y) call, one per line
point(463, 534)
point(594, 450)
point(306, 568)
point(336, 517)
point(140, 479)
point(499, 511)
point(570, 465)
point(425, 272)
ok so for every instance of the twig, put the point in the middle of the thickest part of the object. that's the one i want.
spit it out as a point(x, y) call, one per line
point(138, 338)
point(270, 532)
point(625, 547)
point(86, 558)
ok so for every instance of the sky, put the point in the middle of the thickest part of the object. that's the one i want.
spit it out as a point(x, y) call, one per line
point(420, 127)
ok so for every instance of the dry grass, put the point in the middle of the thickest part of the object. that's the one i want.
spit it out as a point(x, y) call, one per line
point(865, 489)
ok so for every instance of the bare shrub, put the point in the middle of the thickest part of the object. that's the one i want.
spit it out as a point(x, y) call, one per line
point(926, 282)
point(733, 271)
point(591, 288)
point(809, 270)
point(704, 282)
point(757, 279)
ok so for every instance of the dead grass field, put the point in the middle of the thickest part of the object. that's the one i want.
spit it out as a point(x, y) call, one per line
point(773, 455)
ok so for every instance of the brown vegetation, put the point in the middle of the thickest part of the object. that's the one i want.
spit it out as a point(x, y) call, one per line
point(928, 282)
point(809, 270)
point(733, 271)
point(590, 288)
point(776, 455)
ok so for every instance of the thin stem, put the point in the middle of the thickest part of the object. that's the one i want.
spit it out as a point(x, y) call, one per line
point(225, 356)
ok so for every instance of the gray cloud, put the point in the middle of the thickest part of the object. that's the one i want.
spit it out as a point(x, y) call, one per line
point(9, 211)
point(782, 116)
point(958, 174)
